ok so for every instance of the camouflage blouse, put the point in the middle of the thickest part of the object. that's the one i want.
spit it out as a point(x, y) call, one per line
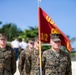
point(24, 64)
point(35, 63)
point(7, 61)
point(56, 63)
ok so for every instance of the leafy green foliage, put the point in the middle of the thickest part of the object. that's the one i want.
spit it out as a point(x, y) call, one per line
point(0, 22)
point(46, 47)
point(12, 31)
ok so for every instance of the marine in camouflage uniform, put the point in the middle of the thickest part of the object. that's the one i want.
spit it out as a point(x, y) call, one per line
point(55, 61)
point(35, 63)
point(35, 60)
point(24, 64)
point(7, 57)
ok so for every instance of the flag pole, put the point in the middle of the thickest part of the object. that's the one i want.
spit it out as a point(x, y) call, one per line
point(40, 51)
point(40, 56)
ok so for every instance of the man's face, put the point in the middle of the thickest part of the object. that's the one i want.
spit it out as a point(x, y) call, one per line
point(55, 44)
point(3, 41)
point(31, 44)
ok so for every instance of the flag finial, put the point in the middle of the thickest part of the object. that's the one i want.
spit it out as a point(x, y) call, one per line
point(39, 2)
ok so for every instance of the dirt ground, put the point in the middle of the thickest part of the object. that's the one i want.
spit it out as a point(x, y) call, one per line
point(73, 68)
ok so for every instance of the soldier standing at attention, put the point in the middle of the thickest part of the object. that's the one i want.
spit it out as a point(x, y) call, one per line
point(35, 59)
point(24, 64)
point(7, 57)
point(55, 61)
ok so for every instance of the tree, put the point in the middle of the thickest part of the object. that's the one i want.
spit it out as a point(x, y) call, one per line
point(11, 31)
point(31, 32)
point(0, 22)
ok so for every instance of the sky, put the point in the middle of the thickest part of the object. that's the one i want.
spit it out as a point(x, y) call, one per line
point(24, 13)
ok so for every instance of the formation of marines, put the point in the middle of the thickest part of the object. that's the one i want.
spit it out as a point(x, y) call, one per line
point(54, 60)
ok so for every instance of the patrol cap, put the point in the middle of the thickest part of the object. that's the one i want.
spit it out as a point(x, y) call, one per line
point(56, 37)
point(31, 40)
point(2, 36)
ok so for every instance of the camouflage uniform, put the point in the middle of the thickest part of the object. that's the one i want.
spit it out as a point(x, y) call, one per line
point(24, 64)
point(35, 62)
point(7, 61)
point(56, 63)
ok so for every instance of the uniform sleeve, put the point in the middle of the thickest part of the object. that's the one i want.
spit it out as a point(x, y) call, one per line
point(68, 68)
point(13, 65)
point(24, 62)
point(21, 61)
point(28, 63)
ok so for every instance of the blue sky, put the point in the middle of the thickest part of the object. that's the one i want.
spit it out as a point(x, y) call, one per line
point(24, 13)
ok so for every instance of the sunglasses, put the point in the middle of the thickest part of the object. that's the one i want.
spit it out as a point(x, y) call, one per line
point(2, 39)
point(57, 41)
point(38, 42)
point(31, 43)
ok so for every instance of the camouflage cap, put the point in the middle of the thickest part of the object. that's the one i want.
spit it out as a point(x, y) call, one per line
point(31, 40)
point(2, 36)
point(56, 37)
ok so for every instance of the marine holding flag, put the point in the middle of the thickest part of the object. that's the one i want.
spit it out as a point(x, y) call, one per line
point(54, 60)
point(35, 59)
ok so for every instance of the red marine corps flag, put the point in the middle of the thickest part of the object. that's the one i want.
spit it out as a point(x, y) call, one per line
point(47, 27)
